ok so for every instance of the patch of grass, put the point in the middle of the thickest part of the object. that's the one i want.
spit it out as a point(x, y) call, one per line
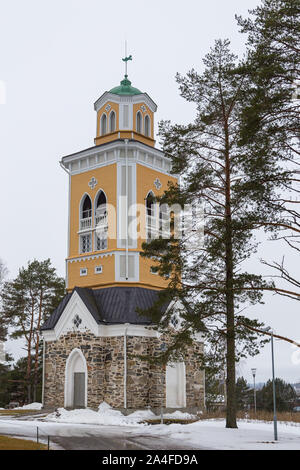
point(170, 421)
point(12, 443)
point(15, 412)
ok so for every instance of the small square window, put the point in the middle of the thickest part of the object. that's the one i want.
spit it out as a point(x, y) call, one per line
point(153, 271)
point(83, 272)
point(98, 269)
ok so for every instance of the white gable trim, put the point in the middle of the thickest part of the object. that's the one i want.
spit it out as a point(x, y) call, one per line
point(73, 307)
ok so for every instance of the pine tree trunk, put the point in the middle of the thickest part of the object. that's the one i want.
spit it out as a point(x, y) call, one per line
point(230, 357)
point(37, 344)
point(28, 371)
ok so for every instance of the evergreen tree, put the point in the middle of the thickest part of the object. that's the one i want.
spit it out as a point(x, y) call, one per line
point(26, 303)
point(285, 396)
point(273, 109)
point(3, 326)
point(243, 394)
point(236, 187)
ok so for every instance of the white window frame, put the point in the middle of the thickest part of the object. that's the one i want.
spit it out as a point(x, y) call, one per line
point(80, 243)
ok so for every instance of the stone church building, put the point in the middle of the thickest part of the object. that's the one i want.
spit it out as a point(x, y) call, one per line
point(93, 339)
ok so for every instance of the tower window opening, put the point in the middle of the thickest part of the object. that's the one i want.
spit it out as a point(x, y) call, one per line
point(86, 213)
point(86, 243)
point(139, 122)
point(147, 126)
point(103, 124)
point(164, 221)
point(101, 241)
point(112, 121)
point(150, 216)
point(101, 222)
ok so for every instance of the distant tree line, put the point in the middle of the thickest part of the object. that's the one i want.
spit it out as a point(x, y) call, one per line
point(286, 397)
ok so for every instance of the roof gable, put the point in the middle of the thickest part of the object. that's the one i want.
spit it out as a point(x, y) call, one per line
point(111, 305)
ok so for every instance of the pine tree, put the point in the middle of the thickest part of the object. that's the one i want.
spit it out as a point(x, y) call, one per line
point(26, 303)
point(3, 326)
point(243, 392)
point(273, 110)
point(236, 187)
point(285, 396)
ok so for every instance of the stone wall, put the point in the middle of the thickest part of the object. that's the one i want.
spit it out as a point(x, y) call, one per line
point(105, 364)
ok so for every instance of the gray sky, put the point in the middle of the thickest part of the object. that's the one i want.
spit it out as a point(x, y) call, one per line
point(57, 58)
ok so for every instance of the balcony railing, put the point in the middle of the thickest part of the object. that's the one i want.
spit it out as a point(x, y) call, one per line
point(85, 223)
point(101, 220)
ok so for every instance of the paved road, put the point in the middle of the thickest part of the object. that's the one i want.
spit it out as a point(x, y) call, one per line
point(87, 437)
point(118, 442)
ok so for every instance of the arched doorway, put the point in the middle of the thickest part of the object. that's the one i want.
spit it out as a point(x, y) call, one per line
point(175, 385)
point(76, 380)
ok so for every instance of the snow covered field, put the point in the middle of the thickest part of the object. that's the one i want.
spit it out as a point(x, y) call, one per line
point(209, 434)
point(249, 435)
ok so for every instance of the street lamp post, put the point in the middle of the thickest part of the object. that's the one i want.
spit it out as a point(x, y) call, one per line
point(254, 388)
point(269, 330)
point(274, 390)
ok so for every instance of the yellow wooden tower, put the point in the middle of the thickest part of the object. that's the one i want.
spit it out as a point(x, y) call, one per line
point(111, 189)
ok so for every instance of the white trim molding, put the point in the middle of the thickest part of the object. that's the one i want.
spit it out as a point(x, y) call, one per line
point(112, 152)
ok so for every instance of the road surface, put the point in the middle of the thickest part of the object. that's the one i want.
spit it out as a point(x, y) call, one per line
point(88, 437)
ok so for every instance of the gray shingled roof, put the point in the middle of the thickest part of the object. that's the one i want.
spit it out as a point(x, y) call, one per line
point(110, 305)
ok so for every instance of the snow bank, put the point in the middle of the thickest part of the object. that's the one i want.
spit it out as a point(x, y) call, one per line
point(142, 414)
point(30, 406)
point(179, 415)
point(105, 415)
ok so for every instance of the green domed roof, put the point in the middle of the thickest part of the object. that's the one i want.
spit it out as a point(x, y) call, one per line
point(125, 88)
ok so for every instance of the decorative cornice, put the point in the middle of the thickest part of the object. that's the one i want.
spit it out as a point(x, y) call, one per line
point(86, 258)
point(112, 152)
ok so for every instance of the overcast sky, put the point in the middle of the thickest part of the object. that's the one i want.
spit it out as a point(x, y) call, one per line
point(56, 59)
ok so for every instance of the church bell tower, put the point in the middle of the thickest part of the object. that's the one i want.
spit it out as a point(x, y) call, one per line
point(112, 186)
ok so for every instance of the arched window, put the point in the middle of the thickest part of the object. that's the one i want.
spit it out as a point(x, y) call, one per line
point(86, 213)
point(85, 224)
point(139, 122)
point(103, 126)
point(101, 221)
point(150, 216)
point(147, 126)
point(112, 121)
point(164, 221)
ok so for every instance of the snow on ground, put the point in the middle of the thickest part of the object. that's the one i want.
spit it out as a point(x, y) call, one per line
point(179, 415)
point(209, 434)
point(105, 415)
point(30, 406)
point(212, 434)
